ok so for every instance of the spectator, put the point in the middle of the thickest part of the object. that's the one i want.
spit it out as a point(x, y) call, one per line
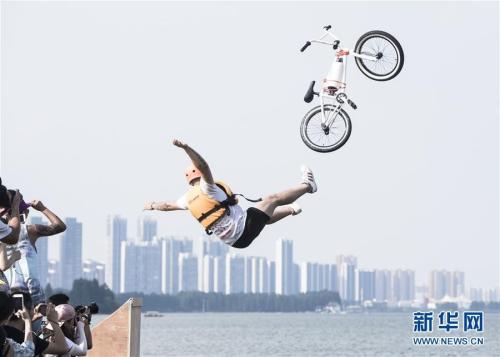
point(58, 299)
point(9, 208)
point(25, 274)
point(9, 347)
point(73, 329)
point(9, 230)
point(14, 328)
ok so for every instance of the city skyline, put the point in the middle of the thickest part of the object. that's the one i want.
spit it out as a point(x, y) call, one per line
point(346, 264)
point(170, 265)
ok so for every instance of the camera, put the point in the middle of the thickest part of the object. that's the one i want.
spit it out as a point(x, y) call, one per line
point(92, 308)
point(22, 205)
point(41, 309)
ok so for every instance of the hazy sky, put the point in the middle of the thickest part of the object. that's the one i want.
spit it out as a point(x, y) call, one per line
point(94, 93)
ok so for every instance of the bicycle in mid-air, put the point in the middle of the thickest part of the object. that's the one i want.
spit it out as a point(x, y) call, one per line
point(379, 56)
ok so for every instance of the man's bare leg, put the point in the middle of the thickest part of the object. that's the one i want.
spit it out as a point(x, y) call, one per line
point(269, 204)
point(281, 212)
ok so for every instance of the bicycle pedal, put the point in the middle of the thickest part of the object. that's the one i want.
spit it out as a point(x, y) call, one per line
point(352, 104)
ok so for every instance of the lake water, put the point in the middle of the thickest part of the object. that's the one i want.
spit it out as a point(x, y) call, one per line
point(301, 334)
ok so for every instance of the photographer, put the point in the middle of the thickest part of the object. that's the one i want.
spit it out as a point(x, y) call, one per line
point(14, 328)
point(73, 329)
point(84, 313)
point(10, 201)
point(9, 347)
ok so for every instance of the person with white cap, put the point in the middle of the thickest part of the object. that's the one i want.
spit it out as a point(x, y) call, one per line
point(73, 329)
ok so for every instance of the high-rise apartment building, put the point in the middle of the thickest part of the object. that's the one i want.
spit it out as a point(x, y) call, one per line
point(403, 285)
point(235, 274)
point(170, 249)
point(347, 277)
point(446, 283)
point(285, 279)
point(116, 232)
point(146, 228)
point(93, 270)
point(140, 267)
point(383, 285)
point(366, 285)
point(188, 272)
point(70, 253)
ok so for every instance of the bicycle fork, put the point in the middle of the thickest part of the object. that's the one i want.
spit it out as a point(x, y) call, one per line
point(328, 120)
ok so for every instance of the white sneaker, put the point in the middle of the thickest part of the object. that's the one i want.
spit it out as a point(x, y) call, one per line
point(308, 178)
point(296, 209)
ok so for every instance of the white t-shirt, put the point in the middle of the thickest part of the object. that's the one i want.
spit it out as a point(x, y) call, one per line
point(230, 227)
point(4, 230)
point(77, 348)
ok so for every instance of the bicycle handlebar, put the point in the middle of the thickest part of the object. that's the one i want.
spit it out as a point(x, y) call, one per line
point(308, 43)
point(327, 27)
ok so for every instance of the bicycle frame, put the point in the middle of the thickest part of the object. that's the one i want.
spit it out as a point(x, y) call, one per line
point(338, 95)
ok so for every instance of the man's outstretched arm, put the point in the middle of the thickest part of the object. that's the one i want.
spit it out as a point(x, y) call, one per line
point(162, 206)
point(198, 161)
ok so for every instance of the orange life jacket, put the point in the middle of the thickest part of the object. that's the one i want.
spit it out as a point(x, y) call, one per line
point(207, 210)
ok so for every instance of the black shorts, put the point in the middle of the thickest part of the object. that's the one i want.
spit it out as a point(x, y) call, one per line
point(254, 224)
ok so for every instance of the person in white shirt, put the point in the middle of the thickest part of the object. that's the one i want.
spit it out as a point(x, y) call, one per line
point(73, 329)
point(24, 274)
point(215, 207)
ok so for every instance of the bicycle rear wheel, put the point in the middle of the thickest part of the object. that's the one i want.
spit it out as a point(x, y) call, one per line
point(387, 51)
point(319, 139)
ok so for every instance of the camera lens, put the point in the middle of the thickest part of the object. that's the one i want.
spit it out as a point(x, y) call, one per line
point(94, 308)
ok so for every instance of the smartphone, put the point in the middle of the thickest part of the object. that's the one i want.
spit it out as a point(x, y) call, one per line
point(42, 309)
point(18, 302)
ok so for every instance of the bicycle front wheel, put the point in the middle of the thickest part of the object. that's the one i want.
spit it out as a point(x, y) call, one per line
point(320, 139)
point(387, 53)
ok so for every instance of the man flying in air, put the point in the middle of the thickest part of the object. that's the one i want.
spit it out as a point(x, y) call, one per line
point(213, 204)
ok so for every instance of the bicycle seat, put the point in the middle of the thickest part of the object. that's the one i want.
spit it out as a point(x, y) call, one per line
point(310, 93)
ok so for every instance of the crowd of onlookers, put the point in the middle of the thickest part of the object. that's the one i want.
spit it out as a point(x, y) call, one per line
point(32, 324)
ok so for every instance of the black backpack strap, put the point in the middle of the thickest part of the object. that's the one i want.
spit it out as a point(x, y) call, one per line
point(232, 198)
point(248, 199)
